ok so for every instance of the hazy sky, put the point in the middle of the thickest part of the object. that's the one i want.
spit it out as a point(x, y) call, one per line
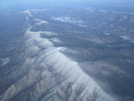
point(7, 2)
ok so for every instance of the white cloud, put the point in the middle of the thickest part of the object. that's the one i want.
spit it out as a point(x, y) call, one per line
point(42, 22)
point(5, 61)
point(37, 20)
point(38, 10)
point(125, 37)
point(27, 12)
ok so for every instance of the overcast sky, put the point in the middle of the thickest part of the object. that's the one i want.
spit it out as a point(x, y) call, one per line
point(7, 2)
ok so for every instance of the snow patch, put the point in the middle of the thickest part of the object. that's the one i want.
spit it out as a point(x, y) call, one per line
point(78, 22)
point(39, 21)
point(55, 40)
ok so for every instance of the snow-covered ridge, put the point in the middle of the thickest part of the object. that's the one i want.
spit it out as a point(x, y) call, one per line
point(52, 73)
point(78, 22)
point(49, 75)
